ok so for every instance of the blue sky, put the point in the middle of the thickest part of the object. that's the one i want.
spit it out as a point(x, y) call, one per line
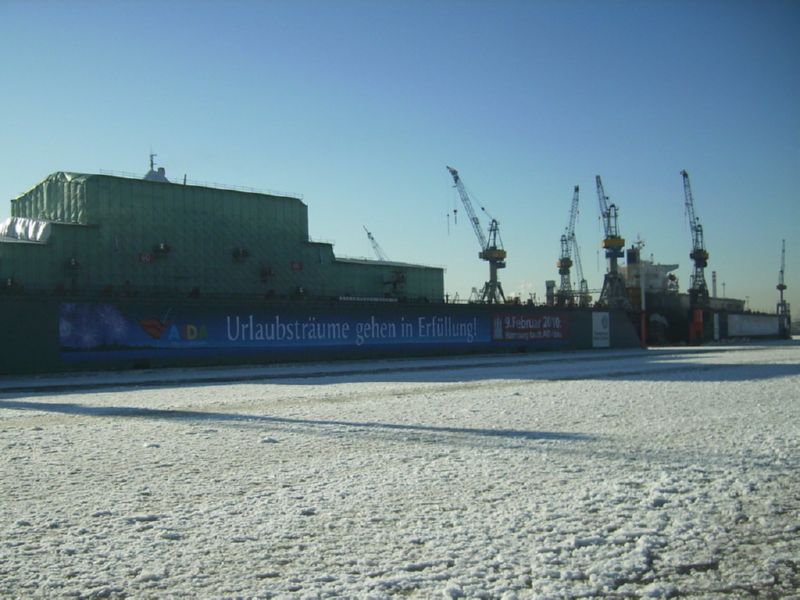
point(359, 106)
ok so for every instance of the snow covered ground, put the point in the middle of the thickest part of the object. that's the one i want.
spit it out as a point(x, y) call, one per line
point(660, 473)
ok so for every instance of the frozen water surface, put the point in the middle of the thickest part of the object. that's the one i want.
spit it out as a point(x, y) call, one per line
point(624, 474)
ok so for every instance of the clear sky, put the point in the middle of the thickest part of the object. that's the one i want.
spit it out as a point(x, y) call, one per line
point(360, 105)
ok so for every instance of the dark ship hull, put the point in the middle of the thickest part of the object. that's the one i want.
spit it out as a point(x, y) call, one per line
point(671, 319)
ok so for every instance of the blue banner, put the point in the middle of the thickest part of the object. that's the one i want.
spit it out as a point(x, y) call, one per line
point(92, 327)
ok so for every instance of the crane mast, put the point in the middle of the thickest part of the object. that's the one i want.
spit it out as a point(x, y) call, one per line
point(584, 298)
point(784, 319)
point(698, 293)
point(781, 285)
point(565, 295)
point(491, 247)
point(613, 293)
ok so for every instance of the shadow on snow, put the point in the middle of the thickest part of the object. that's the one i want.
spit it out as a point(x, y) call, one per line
point(191, 415)
point(661, 364)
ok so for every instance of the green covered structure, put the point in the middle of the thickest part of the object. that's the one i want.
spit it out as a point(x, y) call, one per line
point(119, 236)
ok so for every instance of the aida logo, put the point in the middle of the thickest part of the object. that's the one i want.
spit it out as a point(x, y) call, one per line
point(187, 333)
point(162, 329)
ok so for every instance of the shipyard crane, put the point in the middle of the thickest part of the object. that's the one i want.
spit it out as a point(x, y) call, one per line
point(613, 293)
point(491, 247)
point(376, 246)
point(565, 295)
point(698, 292)
point(784, 320)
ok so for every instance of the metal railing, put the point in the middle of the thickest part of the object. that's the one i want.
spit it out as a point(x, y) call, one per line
point(208, 184)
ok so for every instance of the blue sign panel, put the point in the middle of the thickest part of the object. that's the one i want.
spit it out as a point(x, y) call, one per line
point(86, 329)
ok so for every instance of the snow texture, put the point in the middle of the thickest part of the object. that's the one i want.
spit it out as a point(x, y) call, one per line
point(624, 474)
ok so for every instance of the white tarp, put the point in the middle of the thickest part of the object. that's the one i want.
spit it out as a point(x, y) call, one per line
point(61, 197)
point(745, 325)
point(27, 230)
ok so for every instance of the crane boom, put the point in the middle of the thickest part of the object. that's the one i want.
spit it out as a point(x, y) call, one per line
point(376, 247)
point(573, 213)
point(609, 214)
point(699, 255)
point(465, 199)
point(694, 223)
